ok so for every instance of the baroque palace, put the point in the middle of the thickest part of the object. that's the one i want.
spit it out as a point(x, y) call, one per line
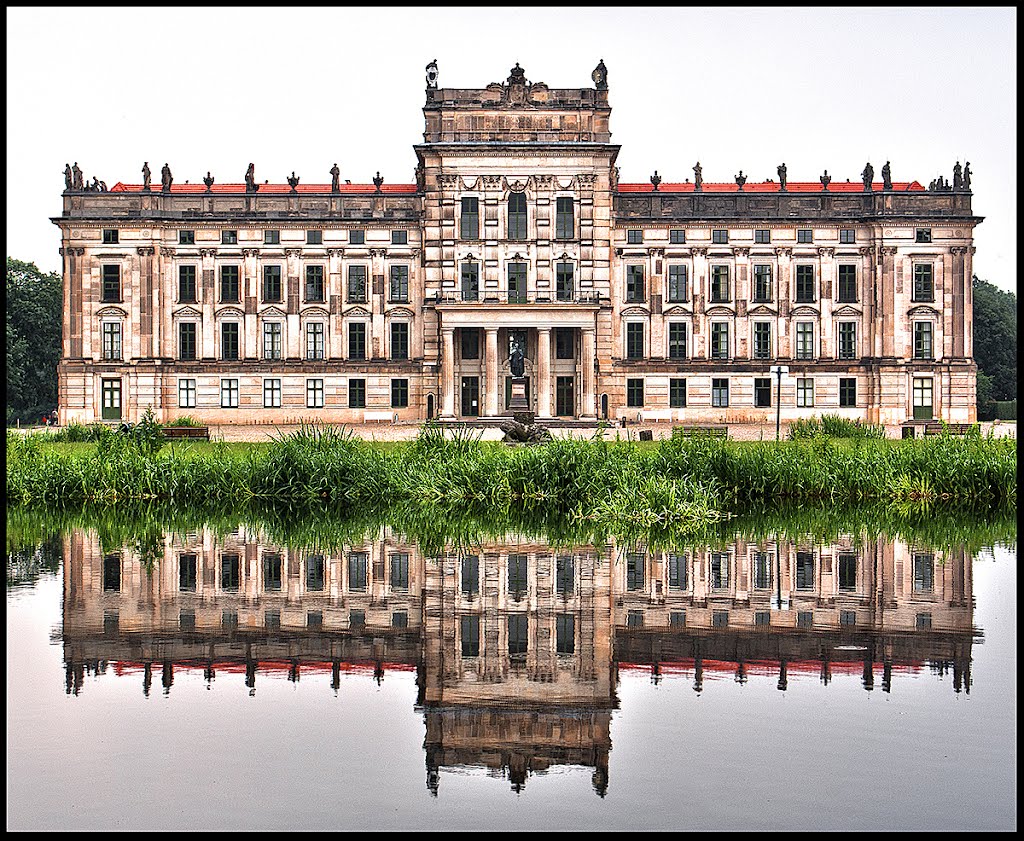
point(276, 303)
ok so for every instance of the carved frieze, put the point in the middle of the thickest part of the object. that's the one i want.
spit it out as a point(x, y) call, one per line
point(450, 181)
point(492, 182)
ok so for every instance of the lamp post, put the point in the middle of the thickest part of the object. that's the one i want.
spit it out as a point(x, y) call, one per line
point(778, 370)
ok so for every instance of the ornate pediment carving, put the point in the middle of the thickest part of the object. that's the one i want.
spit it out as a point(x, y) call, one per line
point(718, 309)
point(187, 312)
point(634, 311)
point(227, 312)
point(273, 312)
point(676, 310)
point(761, 310)
point(845, 311)
point(804, 310)
point(315, 312)
point(921, 309)
point(111, 312)
point(357, 312)
point(400, 312)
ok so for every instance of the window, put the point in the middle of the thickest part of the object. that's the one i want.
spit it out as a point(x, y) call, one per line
point(634, 341)
point(762, 340)
point(565, 343)
point(470, 575)
point(399, 284)
point(314, 283)
point(847, 340)
point(922, 340)
point(518, 634)
point(470, 342)
point(677, 393)
point(271, 237)
point(922, 398)
point(469, 221)
point(517, 216)
point(357, 237)
point(804, 392)
point(847, 235)
point(762, 570)
point(315, 340)
point(109, 236)
point(719, 284)
point(272, 284)
point(230, 572)
point(847, 572)
point(719, 567)
point(677, 283)
point(357, 340)
point(924, 289)
point(564, 286)
point(923, 235)
point(517, 565)
point(762, 283)
point(399, 394)
point(804, 235)
point(517, 283)
point(112, 573)
point(399, 570)
point(565, 224)
point(186, 284)
point(565, 633)
point(357, 284)
point(924, 572)
point(805, 619)
point(804, 284)
point(112, 340)
point(762, 392)
point(635, 568)
point(677, 565)
point(635, 619)
point(229, 343)
point(763, 618)
point(186, 237)
point(229, 394)
point(357, 394)
point(805, 340)
point(677, 236)
point(272, 340)
point(635, 290)
point(111, 284)
point(634, 237)
point(719, 237)
point(805, 570)
point(762, 236)
point(635, 393)
point(229, 237)
point(357, 570)
point(187, 573)
point(847, 284)
point(847, 391)
point(314, 237)
point(356, 619)
point(565, 575)
point(186, 394)
point(314, 394)
point(399, 340)
point(469, 627)
point(719, 340)
point(720, 393)
point(470, 281)
point(229, 288)
point(676, 340)
point(272, 394)
point(399, 237)
point(187, 340)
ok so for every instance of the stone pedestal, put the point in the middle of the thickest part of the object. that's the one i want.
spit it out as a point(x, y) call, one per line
point(519, 403)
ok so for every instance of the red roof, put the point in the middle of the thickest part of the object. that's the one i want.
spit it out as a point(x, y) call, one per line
point(269, 188)
point(771, 187)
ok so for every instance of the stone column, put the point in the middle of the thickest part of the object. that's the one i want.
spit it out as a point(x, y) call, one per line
point(208, 296)
point(448, 372)
point(491, 371)
point(587, 354)
point(827, 281)
point(544, 372)
point(292, 344)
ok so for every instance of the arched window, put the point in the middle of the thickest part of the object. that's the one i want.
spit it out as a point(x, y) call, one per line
point(517, 216)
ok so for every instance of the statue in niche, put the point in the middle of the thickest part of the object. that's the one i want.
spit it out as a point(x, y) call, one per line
point(782, 176)
point(67, 177)
point(335, 175)
point(166, 179)
point(867, 176)
point(886, 177)
point(600, 76)
point(250, 179)
point(516, 357)
point(698, 179)
point(146, 176)
point(432, 75)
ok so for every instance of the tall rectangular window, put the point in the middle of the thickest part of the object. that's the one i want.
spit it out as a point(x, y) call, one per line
point(357, 394)
point(636, 566)
point(805, 340)
point(720, 392)
point(230, 572)
point(762, 236)
point(565, 575)
point(187, 573)
point(469, 221)
point(805, 570)
point(272, 340)
point(272, 394)
point(186, 394)
point(677, 564)
point(565, 288)
point(565, 343)
point(762, 392)
point(271, 237)
point(847, 339)
point(677, 283)
point(923, 406)
point(399, 284)
point(565, 633)
point(112, 340)
point(635, 291)
point(804, 235)
point(400, 237)
point(804, 392)
point(272, 284)
point(314, 237)
point(676, 340)
point(517, 575)
point(719, 340)
point(924, 572)
point(314, 393)
point(804, 284)
point(922, 340)
point(719, 284)
point(469, 342)
point(229, 394)
point(315, 283)
point(469, 634)
point(634, 341)
point(357, 284)
point(677, 236)
point(315, 340)
point(517, 283)
point(847, 284)
point(565, 224)
point(762, 283)
point(518, 634)
point(470, 281)
point(470, 577)
point(357, 563)
point(187, 340)
point(399, 393)
point(229, 340)
point(847, 572)
point(399, 340)
point(635, 393)
point(720, 236)
point(762, 570)
point(186, 237)
point(229, 288)
point(186, 284)
point(762, 340)
point(924, 288)
point(677, 393)
point(315, 569)
point(357, 340)
point(111, 284)
point(399, 570)
point(847, 391)
point(517, 216)
point(719, 567)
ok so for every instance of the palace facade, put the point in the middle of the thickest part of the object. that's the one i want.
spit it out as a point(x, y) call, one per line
point(280, 303)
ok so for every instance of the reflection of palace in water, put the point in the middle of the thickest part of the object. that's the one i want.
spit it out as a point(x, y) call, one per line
point(517, 648)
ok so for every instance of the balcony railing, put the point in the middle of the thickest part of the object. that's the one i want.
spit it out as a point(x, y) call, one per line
point(489, 296)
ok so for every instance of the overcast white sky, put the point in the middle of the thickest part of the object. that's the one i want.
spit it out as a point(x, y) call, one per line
point(300, 88)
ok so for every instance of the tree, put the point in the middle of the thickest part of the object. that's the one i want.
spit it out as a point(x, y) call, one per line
point(995, 338)
point(34, 314)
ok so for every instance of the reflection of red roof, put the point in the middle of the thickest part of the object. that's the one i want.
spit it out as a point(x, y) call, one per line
point(767, 668)
point(770, 187)
point(366, 667)
point(269, 188)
